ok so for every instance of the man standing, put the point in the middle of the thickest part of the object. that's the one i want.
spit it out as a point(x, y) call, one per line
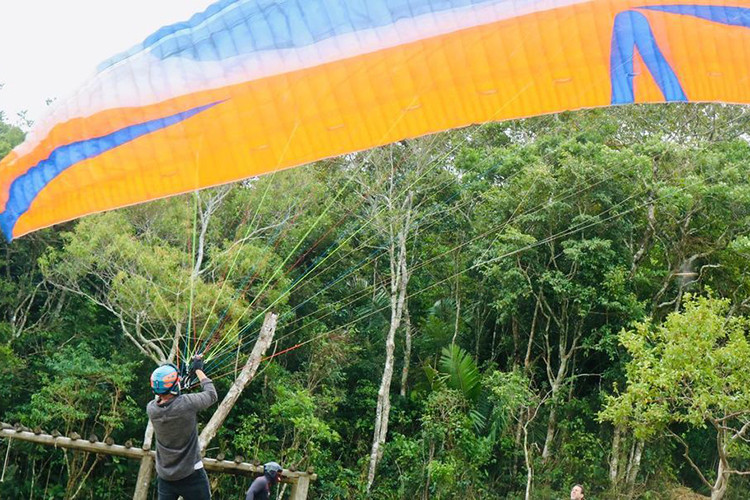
point(261, 487)
point(179, 467)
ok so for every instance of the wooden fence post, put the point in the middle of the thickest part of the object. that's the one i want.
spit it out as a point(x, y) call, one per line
point(146, 470)
point(300, 488)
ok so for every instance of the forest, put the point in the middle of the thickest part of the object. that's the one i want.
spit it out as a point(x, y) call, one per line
point(499, 311)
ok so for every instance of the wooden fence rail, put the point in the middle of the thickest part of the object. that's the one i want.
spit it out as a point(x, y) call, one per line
point(300, 481)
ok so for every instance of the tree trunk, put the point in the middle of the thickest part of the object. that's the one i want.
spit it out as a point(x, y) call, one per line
point(146, 469)
point(722, 475)
point(430, 456)
point(552, 420)
point(614, 458)
point(211, 205)
point(458, 318)
point(265, 338)
point(720, 487)
point(527, 461)
point(634, 467)
point(382, 412)
point(551, 426)
point(399, 280)
point(556, 383)
point(518, 436)
point(407, 349)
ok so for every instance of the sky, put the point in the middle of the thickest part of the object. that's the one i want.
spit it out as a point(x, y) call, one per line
point(49, 47)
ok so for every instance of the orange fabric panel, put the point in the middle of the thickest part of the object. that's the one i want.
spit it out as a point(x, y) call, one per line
point(540, 63)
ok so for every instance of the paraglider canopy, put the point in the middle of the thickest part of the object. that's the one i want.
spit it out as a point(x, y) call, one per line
point(253, 86)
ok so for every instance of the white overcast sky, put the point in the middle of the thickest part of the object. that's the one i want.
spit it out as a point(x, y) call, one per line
point(48, 47)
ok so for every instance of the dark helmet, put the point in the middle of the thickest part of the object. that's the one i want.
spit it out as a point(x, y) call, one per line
point(272, 471)
point(165, 380)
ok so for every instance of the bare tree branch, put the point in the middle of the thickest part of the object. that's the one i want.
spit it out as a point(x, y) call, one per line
point(686, 454)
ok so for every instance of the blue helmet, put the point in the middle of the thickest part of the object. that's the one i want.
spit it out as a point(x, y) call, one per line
point(165, 380)
point(272, 471)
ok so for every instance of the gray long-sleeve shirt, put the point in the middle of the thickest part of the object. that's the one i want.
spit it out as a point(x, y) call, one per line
point(176, 427)
point(259, 490)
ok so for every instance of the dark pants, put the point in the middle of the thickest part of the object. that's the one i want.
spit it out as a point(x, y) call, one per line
point(193, 487)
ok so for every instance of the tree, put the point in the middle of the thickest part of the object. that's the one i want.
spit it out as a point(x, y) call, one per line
point(86, 395)
point(393, 210)
point(10, 137)
point(133, 264)
point(690, 372)
point(556, 257)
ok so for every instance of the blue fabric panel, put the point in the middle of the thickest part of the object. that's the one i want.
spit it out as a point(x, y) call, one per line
point(631, 31)
point(733, 16)
point(230, 28)
point(26, 187)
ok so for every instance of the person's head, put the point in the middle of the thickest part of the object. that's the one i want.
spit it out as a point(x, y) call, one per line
point(577, 492)
point(272, 471)
point(165, 380)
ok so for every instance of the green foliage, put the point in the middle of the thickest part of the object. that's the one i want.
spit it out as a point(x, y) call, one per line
point(447, 458)
point(295, 411)
point(692, 369)
point(83, 393)
point(10, 137)
point(460, 372)
point(507, 392)
point(536, 243)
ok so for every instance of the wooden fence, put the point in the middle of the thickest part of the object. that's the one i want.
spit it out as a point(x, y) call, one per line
point(299, 481)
